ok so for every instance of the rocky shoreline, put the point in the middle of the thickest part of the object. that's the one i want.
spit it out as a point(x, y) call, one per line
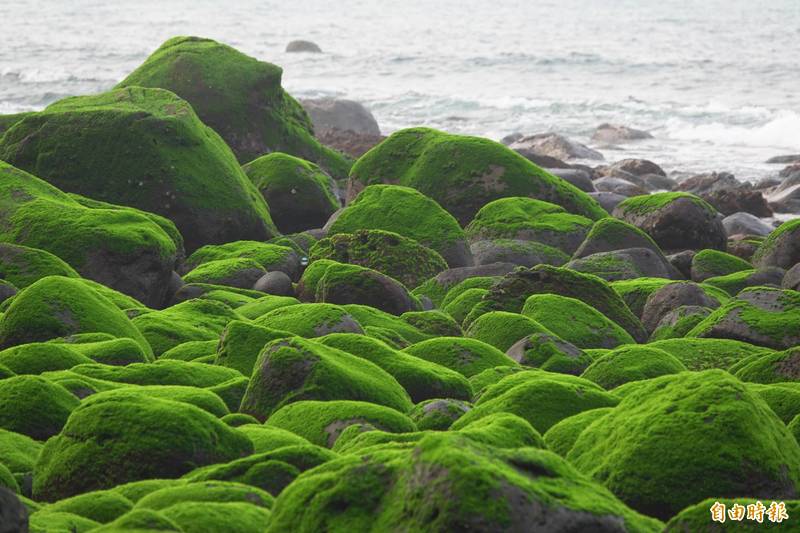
point(222, 309)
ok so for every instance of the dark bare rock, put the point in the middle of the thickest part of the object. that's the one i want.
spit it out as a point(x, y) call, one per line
point(303, 46)
point(349, 142)
point(727, 194)
point(791, 280)
point(544, 161)
point(628, 263)
point(555, 145)
point(789, 170)
point(682, 261)
point(13, 514)
point(608, 200)
point(741, 223)
point(619, 186)
point(783, 159)
point(615, 133)
point(638, 167)
point(670, 297)
point(785, 198)
point(277, 283)
point(578, 177)
point(781, 248)
point(744, 246)
point(657, 182)
point(519, 252)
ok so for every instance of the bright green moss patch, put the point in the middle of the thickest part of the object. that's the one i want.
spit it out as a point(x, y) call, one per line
point(476, 282)
point(774, 367)
point(704, 354)
point(141, 521)
point(712, 263)
point(642, 205)
point(397, 256)
point(267, 438)
point(295, 369)
point(204, 491)
point(264, 305)
point(631, 363)
point(237, 272)
point(242, 342)
point(465, 356)
point(370, 317)
point(322, 422)
point(192, 350)
point(575, 322)
point(434, 323)
point(18, 452)
point(112, 439)
point(646, 450)
point(44, 521)
point(100, 506)
point(34, 406)
point(502, 330)
point(464, 173)
point(412, 215)
point(437, 414)
point(310, 320)
point(462, 305)
point(609, 234)
point(562, 436)
point(549, 352)
point(22, 266)
point(239, 96)
point(36, 358)
point(269, 256)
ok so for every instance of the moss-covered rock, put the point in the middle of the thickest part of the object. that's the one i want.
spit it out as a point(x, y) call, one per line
point(780, 248)
point(144, 148)
point(391, 253)
point(502, 329)
point(56, 306)
point(549, 352)
point(18, 452)
point(242, 342)
point(241, 272)
point(295, 369)
point(191, 351)
point(517, 252)
point(462, 305)
point(421, 378)
point(352, 284)
point(300, 195)
point(311, 320)
point(192, 320)
point(636, 292)
point(43, 521)
point(104, 348)
point(434, 323)
point(447, 482)
point(735, 283)
point(38, 357)
point(113, 439)
point(511, 292)
point(542, 398)
point(532, 220)
point(237, 95)
point(628, 263)
point(270, 256)
point(267, 438)
point(140, 521)
point(102, 506)
point(771, 367)
point(409, 213)
point(678, 322)
point(437, 414)
point(463, 173)
point(610, 234)
point(22, 266)
point(649, 450)
point(575, 322)
point(264, 305)
point(34, 406)
point(704, 354)
point(321, 422)
point(762, 316)
point(712, 263)
point(472, 282)
point(631, 363)
point(119, 247)
point(463, 355)
point(165, 372)
point(562, 436)
point(675, 220)
point(375, 320)
point(204, 491)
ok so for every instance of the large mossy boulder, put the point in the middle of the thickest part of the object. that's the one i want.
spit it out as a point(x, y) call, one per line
point(511, 292)
point(122, 248)
point(56, 307)
point(144, 148)
point(295, 369)
point(675, 220)
point(463, 173)
point(311, 320)
point(465, 356)
point(271, 257)
point(445, 482)
point(400, 257)
point(422, 379)
point(503, 330)
point(322, 422)
point(760, 315)
point(631, 363)
point(532, 220)
point(407, 212)
point(112, 439)
point(653, 449)
point(352, 284)
point(781, 248)
point(34, 406)
point(239, 96)
point(300, 195)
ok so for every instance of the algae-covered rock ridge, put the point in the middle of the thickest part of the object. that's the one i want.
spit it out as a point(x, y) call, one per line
point(212, 321)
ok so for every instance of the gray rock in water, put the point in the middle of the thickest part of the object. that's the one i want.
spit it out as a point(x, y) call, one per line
point(785, 198)
point(745, 224)
point(277, 283)
point(638, 167)
point(783, 159)
point(671, 297)
point(619, 186)
point(577, 177)
point(339, 114)
point(783, 250)
point(608, 200)
point(614, 133)
point(544, 161)
point(555, 145)
point(303, 46)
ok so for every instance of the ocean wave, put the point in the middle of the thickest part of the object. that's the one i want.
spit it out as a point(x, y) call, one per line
point(782, 131)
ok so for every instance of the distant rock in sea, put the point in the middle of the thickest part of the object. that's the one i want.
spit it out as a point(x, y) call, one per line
point(613, 133)
point(303, 46)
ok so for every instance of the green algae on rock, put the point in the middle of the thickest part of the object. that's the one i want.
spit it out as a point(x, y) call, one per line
point(437, 414)
point(463, 173)
point(300, 195)
point(575, 322)
point(34, 406)
point(549, 352)
point(241, 272)
point(295, 369)
point(311, 320)
point(562, 436)
point(463, 355)
point(321, 422)
point(409, 213)
point(503, 330)
point(446, 482)
point(712, 263)
point(242, 342)
point(23, 266)
point(402, 258)
point(695, 518)
point(352, 284)
point(235, 517)
point(270, 256)
point(113, 439)
point(631, 363)
point(650, 450)
point(239, 96)
point(421, 378)
point(781, 248)
point(772, 367)
point(145, 148)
